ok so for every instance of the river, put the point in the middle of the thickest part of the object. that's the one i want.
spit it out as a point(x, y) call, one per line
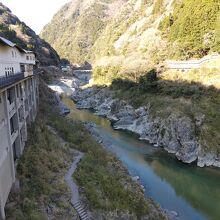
point(193, 192)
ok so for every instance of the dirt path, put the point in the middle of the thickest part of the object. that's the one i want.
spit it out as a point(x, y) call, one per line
point(75, 197)
point(69, 179)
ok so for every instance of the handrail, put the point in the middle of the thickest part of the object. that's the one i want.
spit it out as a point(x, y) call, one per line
point(8, 80)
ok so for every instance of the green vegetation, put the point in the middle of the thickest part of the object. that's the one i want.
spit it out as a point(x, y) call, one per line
point(158, 6)
point(98, 173)
point(194, 26)
point(8, 33)
point(41, 173)
point(83, 26)
point(135, 36)
point(186, 95)
point(106, 74)
point(105, 182)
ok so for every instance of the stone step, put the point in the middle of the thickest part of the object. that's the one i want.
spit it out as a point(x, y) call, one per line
point(81, 210)
point(83, 217)
point(77, 205)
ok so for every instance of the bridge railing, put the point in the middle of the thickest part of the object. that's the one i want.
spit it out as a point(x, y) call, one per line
point(8, 80)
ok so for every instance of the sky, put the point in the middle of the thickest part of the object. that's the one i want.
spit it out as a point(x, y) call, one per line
point(35, 13)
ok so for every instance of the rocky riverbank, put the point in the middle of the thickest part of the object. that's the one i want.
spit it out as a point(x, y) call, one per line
point(129, 182)
point(176, 133)
point(124, 180)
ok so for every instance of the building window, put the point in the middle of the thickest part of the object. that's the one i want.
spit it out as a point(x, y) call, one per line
point(13, 54)
point(27, 57)
point(6, 71)
point(22, 67)
point(9, 71)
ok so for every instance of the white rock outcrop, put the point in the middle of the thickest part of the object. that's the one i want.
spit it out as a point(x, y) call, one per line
point(176, 133)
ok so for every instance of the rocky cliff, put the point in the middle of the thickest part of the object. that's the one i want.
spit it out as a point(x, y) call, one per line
point(177, 133)
point(182, 112)
point(18, 32)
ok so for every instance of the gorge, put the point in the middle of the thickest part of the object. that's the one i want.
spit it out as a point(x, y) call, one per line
point(163, 177)
point(142, 132)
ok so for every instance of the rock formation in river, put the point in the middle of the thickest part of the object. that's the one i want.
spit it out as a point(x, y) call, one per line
point(176, 134)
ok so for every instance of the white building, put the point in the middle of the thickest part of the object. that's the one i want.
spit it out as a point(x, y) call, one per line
point(14, 59)
point(18, 108)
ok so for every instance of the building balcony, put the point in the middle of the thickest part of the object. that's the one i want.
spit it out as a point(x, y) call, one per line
point(18, 102)
point(3, 156)
point(30, 73)
point(21, 115)
point(14, 135)
point(21, 124)
point(11, 109)
point(7, 81)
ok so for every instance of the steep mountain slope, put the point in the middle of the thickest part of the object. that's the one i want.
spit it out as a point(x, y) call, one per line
point(76, 27)
point(141, 34)
point(139, 37)
point(18, 32)
point(147, 32)
point(194, 26)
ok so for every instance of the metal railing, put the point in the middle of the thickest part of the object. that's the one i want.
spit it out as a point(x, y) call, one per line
point(8, 80)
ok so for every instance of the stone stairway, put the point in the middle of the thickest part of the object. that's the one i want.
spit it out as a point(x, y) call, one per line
point(75, 198)
point(81, 211)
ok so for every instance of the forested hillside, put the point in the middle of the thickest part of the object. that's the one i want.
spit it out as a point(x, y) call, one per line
point(126, 38)
point(18, 32)
point(195, 26)
point(76, 27)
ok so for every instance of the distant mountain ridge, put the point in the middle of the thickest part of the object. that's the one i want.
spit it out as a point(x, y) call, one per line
point(18, 32)
point(76, 27)
point(137, 35)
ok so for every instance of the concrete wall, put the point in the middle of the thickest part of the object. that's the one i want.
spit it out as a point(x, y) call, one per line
point(14, 118)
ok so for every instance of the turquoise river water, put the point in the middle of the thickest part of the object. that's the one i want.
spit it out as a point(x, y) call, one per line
point(193, 192)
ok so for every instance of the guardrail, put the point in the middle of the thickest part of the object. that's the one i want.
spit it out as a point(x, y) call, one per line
point(8, 80)
point(192, 64)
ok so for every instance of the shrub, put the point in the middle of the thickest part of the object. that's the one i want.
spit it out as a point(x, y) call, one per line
point(191, 25)
point(148, 82)
point(122, 84)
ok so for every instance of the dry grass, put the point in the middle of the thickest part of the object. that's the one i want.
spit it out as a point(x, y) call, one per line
point(41, 170)
point(206, 77)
